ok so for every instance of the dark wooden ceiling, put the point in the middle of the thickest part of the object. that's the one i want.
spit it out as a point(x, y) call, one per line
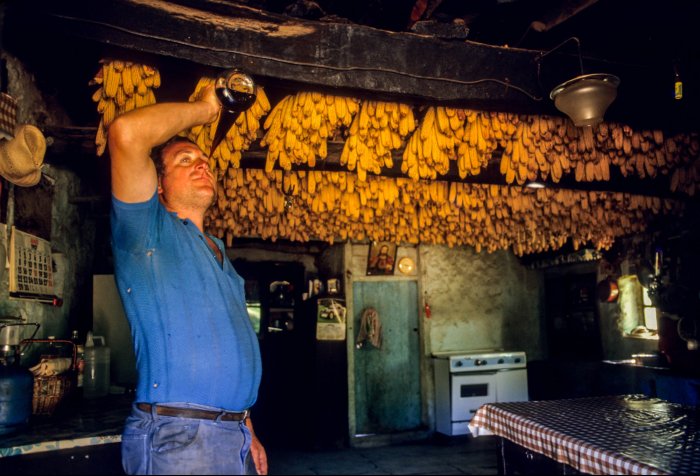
point(497, 55)
point(503, 55)
point(644, 42)
point(444, 50)
point(626, 31)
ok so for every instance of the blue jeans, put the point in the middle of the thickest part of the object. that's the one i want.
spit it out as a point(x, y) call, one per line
point(156, 444)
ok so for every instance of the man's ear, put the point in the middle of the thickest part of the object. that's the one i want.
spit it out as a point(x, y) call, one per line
point(160, 186)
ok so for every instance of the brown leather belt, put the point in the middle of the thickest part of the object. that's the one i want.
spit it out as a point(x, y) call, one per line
point(193, 413)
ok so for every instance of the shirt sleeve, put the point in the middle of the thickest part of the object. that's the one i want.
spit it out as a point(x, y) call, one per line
point(134, 225)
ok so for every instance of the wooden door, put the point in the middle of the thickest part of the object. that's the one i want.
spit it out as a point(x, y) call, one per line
point(387, 380)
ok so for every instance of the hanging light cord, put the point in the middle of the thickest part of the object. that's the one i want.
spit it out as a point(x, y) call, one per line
point(541, 56)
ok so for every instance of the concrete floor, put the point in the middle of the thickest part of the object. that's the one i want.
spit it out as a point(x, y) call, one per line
point(457, 455)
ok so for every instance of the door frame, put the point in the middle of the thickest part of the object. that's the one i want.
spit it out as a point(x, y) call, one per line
point(424, 370)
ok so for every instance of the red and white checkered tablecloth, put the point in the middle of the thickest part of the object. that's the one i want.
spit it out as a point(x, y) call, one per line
point(628, 434)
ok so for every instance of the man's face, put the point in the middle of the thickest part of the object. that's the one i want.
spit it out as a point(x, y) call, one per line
point(187, 180)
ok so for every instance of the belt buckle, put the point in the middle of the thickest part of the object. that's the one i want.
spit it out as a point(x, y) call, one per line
point(245, 414)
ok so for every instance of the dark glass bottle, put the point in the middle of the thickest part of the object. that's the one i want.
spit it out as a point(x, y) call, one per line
point(79, 365)
point(235, 90)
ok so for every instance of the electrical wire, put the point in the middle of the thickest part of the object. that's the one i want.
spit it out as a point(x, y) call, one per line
point(505, 83)
point(542, 55)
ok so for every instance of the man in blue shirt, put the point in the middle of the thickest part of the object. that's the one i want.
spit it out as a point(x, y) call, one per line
point(197, 355)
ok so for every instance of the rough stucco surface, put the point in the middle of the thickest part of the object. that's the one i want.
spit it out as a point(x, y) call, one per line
point(32, 106)
point(481, 301)
point(72, 235)
point(477, 301)
point(615, 345)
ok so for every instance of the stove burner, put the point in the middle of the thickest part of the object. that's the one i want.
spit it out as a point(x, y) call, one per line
point(481, 360)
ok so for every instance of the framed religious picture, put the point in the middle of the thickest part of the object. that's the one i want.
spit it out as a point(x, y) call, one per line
point(381, 258)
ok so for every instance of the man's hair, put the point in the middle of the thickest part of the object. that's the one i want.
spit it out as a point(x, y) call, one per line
point(157, 152)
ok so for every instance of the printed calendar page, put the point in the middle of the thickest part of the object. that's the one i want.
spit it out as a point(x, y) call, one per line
point(31, 270)
point(330, 322)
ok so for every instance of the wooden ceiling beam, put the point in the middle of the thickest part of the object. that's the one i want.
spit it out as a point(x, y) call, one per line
point(219, 34)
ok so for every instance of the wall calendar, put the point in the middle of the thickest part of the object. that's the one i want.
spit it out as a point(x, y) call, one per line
point(330, 322)
point(31, 267)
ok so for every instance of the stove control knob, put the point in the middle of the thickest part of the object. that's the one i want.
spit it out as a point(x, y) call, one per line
point(479, 362)
point(458, 363)
point(501, 361)
point(517, 360)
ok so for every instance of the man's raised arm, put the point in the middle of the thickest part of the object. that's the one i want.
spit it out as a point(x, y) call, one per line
point(132, 136)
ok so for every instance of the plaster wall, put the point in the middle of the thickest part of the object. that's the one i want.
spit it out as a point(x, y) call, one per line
point(477, 301)
point(481, 301)
point(72, 232)
point(72, 246)
point(615, 344)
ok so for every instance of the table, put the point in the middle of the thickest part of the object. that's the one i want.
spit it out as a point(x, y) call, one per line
point(622, 434)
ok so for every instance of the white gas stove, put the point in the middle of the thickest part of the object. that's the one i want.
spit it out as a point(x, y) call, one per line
point(465, 380)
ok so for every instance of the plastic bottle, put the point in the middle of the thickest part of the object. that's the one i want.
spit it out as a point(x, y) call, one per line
point(96, 373)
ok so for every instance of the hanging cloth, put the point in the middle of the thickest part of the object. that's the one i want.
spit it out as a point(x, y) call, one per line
point(370, 329)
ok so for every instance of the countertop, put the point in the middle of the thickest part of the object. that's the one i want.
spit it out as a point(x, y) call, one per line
point(635, 363)
point(78, 423)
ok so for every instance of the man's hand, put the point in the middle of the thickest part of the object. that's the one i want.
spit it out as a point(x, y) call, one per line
point(208, 95)
point(257, 451)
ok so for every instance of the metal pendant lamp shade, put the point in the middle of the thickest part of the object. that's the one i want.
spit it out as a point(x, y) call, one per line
point(585, 98)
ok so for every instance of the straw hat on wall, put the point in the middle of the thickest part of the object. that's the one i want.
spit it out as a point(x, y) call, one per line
point(21, 158)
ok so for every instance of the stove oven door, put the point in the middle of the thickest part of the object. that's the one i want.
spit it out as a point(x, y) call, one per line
point(469, 392)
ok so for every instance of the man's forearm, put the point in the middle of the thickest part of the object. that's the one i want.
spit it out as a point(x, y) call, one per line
point(151, 126)
point(249, 424)
point(132, 136)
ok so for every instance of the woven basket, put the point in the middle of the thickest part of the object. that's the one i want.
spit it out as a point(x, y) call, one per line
point(49, 392)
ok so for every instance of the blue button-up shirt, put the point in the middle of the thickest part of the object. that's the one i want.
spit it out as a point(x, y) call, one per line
point(192, 336)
